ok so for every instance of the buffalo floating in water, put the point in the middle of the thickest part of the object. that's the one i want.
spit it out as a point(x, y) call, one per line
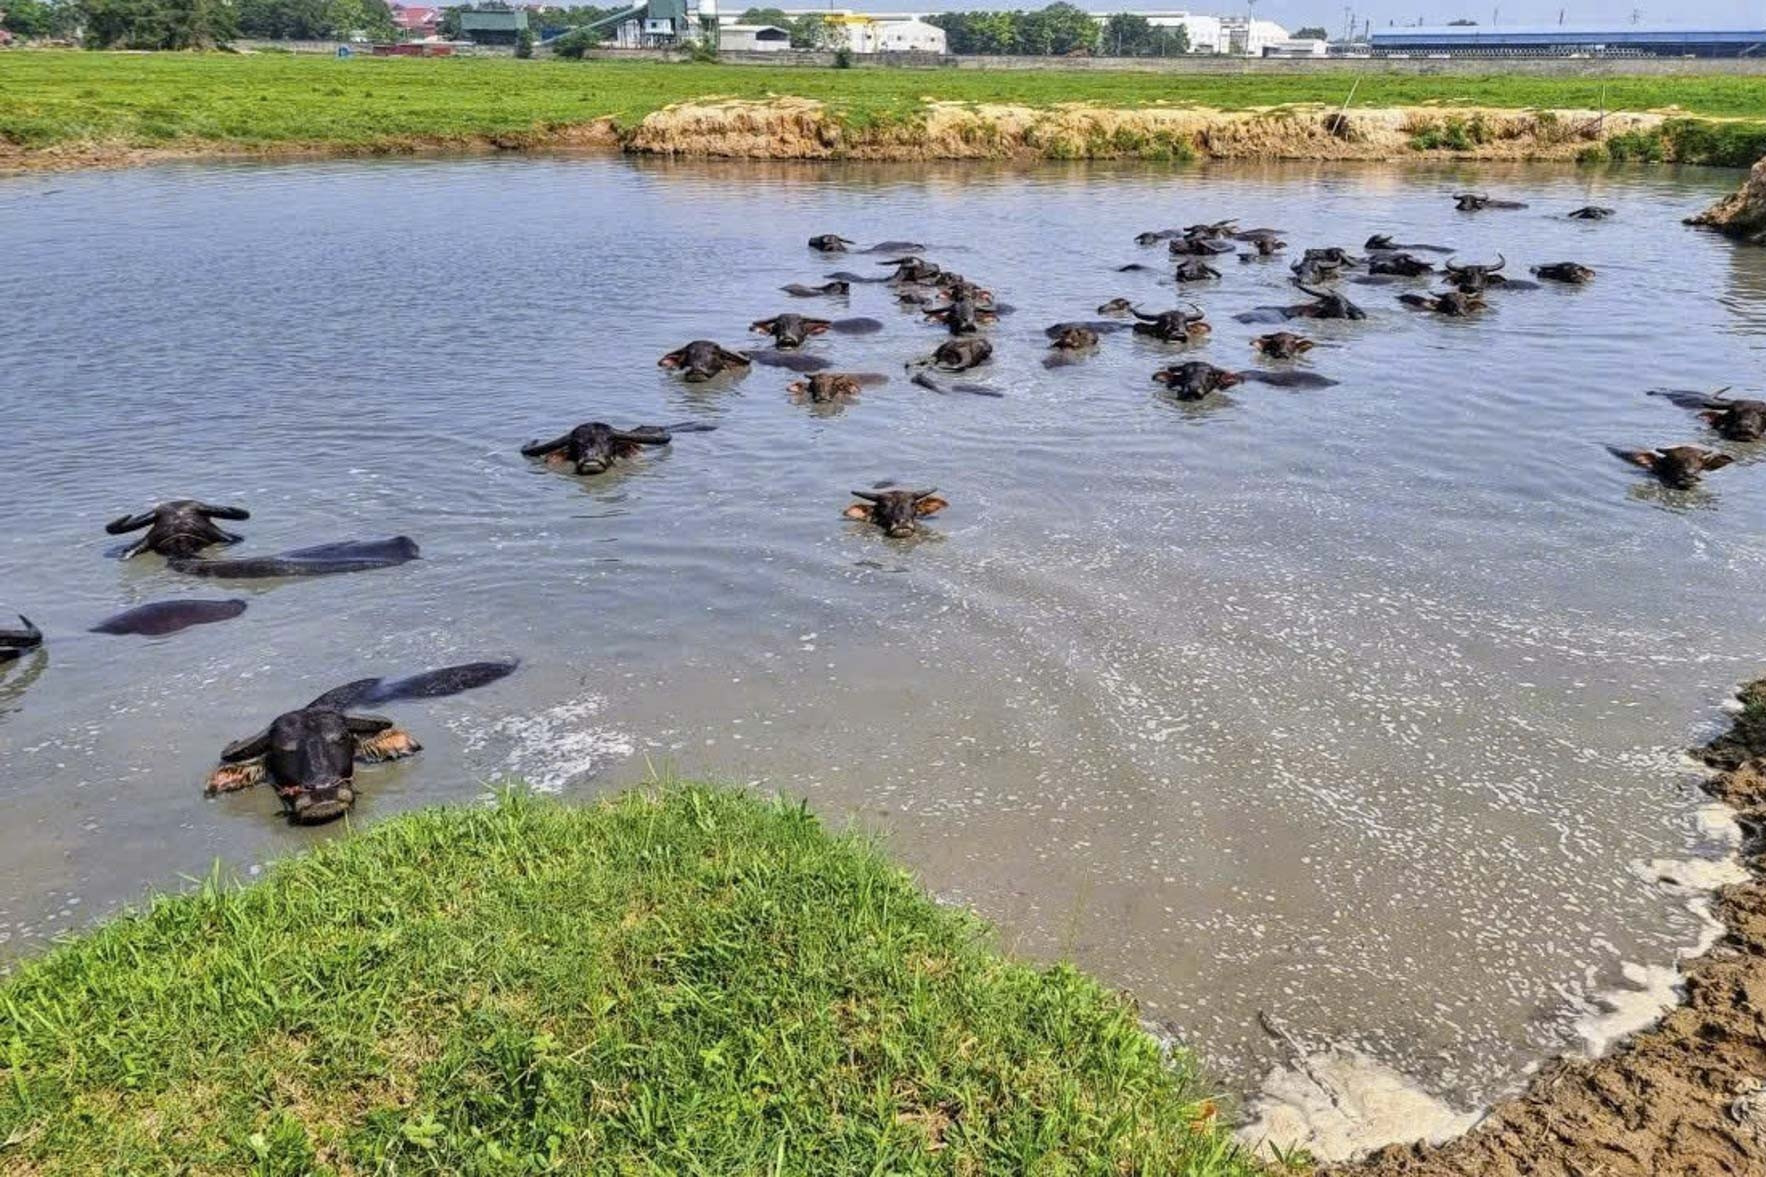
point(159, 618)
point(959, 355)
point(912, 269)
point(1116, 306)
point(1195, 380)
point(832, 387)
point(829, 243)
point(1591, 212)
point(1572, 272)
point(896, 512)
point(1326, 304)
point(182, 527)
point(1197, 246)
point(1263, 247)
point(1454, 304)
point(1474, 279)
point(1177, 326)
point(1676, 466)
point(799, 290)
point(962, 315)
point(14, 643)
point(701, 360)
point(1072, 337)
point(1400, 264)
point(1736, 419)
point(1471, 202)
point(592, 447)
point(1282, 345)
point(834, 243)
point(309, 755)
point(1382, 242)
point(1194, 269)
point(321, 560)
point(790, 331)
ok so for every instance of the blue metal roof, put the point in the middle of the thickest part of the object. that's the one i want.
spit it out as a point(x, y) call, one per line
point(1560, 35)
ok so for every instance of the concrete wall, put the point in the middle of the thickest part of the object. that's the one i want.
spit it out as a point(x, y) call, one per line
point(1542, 66)
point(329, 48)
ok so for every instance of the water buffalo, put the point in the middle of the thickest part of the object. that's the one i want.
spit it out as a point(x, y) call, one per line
point(1072, 337)
point(701, 360)
point(1384, 242)
point(1282, 345)
point(959, 355)
point(1256, 235)
point(799, 290)
point(1572, 272)
point(925, 380)
point(1474, 279)
point(1263, 247)
point(1736, 419)
point(1195, 380)
point(1197, 246)
point(1452, 303)
point(961, 316)
point(1116, 306)
point(1326, 304)
point(1194, 269)
point(1676, 466)
point(158, 618)
point(1155, 236)
point(832, 387)
point(829, 243)
point(182, 527)
point(1178, 326)
point(309, 755)
point(1400, 264)
point(321, 560)
point(1209, 230)
point(593, 447)
point(790, 331)
point(1471, 202)
point(15, 642)
point(1591, 212)
point(912, 269)
point(897, 512)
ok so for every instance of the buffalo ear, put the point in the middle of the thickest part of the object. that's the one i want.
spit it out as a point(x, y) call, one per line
point(930, 506)
point(126, 523)
point(247, 748)
point(1717, 461)
point(1711, 416)
point(230, 778)
point(858, 511)
point(366, 725)
point(672, 359)
point(1643, 458)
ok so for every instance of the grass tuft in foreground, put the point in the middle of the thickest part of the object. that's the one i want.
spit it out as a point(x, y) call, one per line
point(689, 981)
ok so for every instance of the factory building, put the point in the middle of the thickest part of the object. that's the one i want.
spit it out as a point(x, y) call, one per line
point(1559, 41)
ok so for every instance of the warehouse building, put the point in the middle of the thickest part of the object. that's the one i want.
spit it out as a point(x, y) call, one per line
point(1558, 41)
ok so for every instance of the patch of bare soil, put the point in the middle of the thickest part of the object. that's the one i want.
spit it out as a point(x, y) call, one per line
point(601, 135)
point(1686, 1097)
point(1742, 214)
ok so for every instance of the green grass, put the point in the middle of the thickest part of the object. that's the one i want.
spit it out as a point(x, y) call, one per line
point(685, 981)
point(147, 100)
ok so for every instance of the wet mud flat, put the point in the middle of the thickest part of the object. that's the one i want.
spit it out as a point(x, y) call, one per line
point(1686, 1096)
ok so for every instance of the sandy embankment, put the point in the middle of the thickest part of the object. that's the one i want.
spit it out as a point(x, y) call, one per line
point(1742, 214)
point(1686, 1096)
point(798, 128)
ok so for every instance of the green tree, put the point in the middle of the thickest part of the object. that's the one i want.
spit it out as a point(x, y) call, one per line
point(156, 24)
point(1127, 35)
point(448, 28)
point(1059, 29)
point(1312, 33)
point(28, 18)
point(524, 44)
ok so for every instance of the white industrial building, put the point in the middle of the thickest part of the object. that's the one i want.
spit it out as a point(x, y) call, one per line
point(753, 38)
point(861, 32)
point(1238, 35)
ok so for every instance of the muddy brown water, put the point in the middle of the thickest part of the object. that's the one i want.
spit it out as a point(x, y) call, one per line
point(1357, 706)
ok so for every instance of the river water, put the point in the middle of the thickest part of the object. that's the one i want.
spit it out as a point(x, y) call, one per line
point(1358, 707)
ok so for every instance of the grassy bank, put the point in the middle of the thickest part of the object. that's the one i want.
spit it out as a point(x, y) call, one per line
point(145, 101)
point(686, 982)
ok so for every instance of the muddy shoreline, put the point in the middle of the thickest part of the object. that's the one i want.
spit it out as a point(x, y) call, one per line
point(1685, 1096)
point(802, 129)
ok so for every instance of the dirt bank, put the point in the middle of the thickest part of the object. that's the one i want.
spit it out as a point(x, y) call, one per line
point(1686, 1097)
point(794, 128)
point(799, 128)
point(1743, 214)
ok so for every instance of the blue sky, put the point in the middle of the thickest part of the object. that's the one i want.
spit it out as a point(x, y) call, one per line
point(1294, 13)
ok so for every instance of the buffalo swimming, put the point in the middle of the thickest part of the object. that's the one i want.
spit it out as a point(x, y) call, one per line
point(322, 560)
point(158, 618)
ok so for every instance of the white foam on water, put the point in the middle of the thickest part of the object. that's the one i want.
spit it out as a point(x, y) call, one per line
point(550, 749)
point(1340, 1103)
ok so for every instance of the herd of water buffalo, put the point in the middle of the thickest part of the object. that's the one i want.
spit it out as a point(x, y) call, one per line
point(308, 755)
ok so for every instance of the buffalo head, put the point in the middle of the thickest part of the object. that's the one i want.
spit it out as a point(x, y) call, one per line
point(897, 512)
point(1677, 466)
point(309, 757)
